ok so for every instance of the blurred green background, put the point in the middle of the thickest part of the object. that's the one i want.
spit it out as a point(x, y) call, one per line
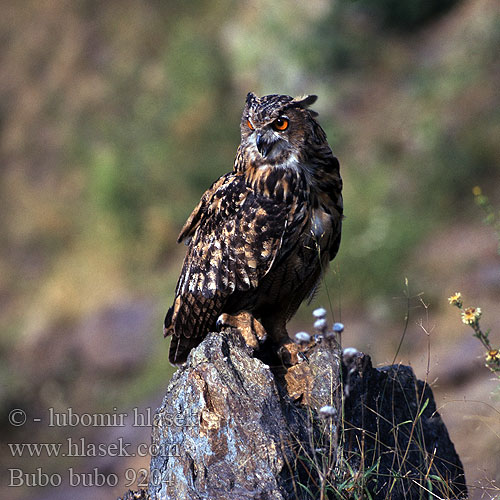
point(115, 117)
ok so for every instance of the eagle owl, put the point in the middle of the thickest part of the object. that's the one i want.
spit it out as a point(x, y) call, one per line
point(262, 235)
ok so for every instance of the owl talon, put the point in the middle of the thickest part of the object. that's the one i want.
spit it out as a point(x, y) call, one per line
point(249, 328)
point(302, 356)
point(220, 322)
point(292, 354)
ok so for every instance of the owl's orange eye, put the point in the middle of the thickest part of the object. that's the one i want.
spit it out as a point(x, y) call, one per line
point(280, 123)
point(250, 126)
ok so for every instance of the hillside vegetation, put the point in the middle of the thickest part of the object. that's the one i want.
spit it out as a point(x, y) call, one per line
point(116, 116)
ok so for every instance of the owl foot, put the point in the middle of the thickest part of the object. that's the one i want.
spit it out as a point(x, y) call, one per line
point(292, 353)
point(250, 329)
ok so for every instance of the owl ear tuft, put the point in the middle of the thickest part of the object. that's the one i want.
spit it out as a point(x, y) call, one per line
point(305, 101)
point(251, 97)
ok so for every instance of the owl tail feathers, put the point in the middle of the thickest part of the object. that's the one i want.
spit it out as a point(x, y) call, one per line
point(180, 345)
point(188, 321)
point(167, 324)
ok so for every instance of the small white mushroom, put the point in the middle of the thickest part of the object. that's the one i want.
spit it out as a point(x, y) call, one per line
point(319, 313)
point(321, 324)
point(328, 411)
point(302, 337)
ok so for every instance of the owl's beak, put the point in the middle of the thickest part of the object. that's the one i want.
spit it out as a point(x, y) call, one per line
point(263, 145)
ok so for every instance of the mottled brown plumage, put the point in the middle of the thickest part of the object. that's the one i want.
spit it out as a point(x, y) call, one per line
point(262, 235)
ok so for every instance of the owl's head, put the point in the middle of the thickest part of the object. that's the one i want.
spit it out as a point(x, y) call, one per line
point(278, 127)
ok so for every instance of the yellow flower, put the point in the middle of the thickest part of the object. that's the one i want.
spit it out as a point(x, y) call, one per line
point(493, 357)
point(471, 315)
point(476, 191)
point(456, 299)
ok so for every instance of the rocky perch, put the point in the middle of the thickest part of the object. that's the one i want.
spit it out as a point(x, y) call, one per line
point(332, 426)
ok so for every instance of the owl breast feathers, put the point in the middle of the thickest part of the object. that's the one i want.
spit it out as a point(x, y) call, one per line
point(262, 235)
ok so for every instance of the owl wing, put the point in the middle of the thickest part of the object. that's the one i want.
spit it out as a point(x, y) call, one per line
point(234, 237)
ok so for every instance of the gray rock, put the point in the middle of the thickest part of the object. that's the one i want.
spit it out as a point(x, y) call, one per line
point(390, 419)
point(235, 435)
point(231, 427)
